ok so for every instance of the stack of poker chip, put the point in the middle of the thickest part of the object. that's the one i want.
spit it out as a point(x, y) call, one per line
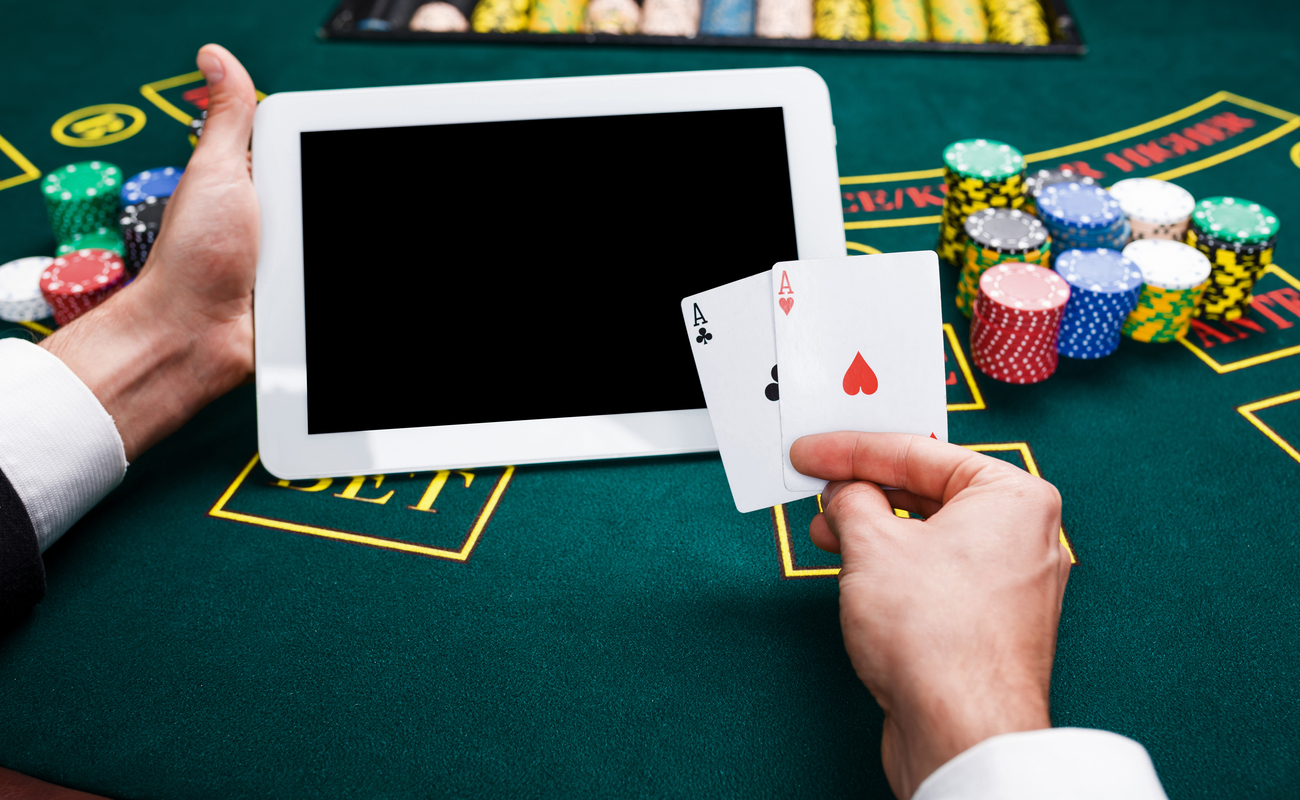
point(1014, 322)
point(81, 197)
point(664, 17)
point(980, 174)
point(1017, 22)
point(1155, 209)
point(997, 236)
point(841, 20)
point(1238, 238)
point(611, 16)
point(140, 224)
point(197, 123)
point(784, 19)
point(1104, 289)
point(899, 21)
point(727, 18)
point(1082, 217)
point(1174, 275)
point(157, 182)
point(98, 239)
point(958, 21)
point(1038, 180)
point(20, 289)
point(76, 283)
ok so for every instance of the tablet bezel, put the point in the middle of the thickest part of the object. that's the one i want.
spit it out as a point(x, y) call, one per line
point(288, 451)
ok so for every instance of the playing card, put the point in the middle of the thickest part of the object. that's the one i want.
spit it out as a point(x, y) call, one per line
point(735, 354)
point(859, 341)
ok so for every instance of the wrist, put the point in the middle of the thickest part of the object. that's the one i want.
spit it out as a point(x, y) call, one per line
point(940, 726)
point(149, 362)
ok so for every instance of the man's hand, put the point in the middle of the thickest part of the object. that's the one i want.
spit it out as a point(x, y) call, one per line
point(950, 622)
point(181, 334)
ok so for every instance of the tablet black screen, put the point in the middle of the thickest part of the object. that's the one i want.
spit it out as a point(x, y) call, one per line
point(527, 269)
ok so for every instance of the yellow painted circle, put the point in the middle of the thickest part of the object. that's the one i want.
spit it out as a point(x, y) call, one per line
point(95, 126)
point(1295, 154)
point(862, 248)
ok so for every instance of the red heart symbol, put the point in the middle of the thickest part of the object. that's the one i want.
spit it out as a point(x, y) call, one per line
point(860, 377)
point(786, 303)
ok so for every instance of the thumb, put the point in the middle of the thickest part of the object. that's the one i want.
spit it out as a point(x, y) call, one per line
point(857, 512)
point(232, 101)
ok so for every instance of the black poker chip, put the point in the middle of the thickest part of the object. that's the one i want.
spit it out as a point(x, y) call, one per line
point(1006, 230)
point(140, 224)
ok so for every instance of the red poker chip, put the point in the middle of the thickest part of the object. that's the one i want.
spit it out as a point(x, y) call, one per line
point(1015, 354)
point(75, 283)
point(1019, 294)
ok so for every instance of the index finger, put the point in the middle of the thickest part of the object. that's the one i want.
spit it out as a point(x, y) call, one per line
point(923, 466)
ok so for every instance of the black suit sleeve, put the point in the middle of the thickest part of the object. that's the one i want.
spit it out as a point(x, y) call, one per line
point(22, 572)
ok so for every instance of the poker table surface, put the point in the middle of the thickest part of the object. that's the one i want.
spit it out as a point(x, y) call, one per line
point(617, 628)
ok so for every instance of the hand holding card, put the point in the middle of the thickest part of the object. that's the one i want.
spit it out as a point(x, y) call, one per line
point(859, 342)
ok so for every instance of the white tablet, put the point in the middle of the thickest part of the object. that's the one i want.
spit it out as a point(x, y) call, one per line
point(478, 274)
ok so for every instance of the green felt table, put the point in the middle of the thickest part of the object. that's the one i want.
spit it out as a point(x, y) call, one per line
point(617, 628)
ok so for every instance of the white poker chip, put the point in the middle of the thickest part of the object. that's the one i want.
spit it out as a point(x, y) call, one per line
point(1166, 264)
point(1153, 201)
point(20, 290)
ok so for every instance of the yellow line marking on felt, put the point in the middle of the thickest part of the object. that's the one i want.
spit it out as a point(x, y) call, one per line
point(30, 172)
point(891, 223)
point(219, 511)
point(1295, 153)
point(978, 403)
point(1262, 358)
point(151, 93)
point(862, 248)
point(38, 327)
point(1248, 411)
point(1228, 155)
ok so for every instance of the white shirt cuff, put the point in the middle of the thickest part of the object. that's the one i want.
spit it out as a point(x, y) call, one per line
point(59, 448)
point(1060, 763)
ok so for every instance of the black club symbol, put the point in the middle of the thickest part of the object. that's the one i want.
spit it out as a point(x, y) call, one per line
point(772, 391)
point(704, 336)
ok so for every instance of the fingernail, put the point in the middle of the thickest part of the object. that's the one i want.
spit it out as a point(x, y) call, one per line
point(211, 68)
point(832, 489)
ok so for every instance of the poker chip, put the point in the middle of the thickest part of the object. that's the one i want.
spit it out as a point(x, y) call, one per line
point(1081, 216)
point(98, 239)
point(140, 224)
point(613, 16)
point(899, 21)
point(1238, 238)
point(662, 17)
point(1037, 180)
point(157, 182)
point(1155, 209)
point(555, 16)
point(784, 19)
point(20, 290)
point(1104, 290)
point(957, 21)
point(1017, 22)
point(841, 20)
point(1174, 276)
point(727, 18)
point(1015, 320)
point(76, 283)
point(499, 16)
point(81, 197)
point(997, 236)
point(978, 174)
point(197, 123)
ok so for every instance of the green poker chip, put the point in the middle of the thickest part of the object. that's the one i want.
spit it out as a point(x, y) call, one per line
point(1234, 220)
point(984, 159)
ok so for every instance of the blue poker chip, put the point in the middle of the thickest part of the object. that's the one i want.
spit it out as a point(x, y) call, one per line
point(1104, 289)
point(1078, 205)
point(1102, 271)
point(156, 182)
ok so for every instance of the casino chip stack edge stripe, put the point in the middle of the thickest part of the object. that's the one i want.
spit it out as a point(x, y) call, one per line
point(995, 236)
point(98, 239)
point(979, 174)
point(1155, 209)
point(1080, 216)
point(81, 198)
point(20, 290)
point(140, 225)
point(1174, 276)
point(1104, 289)
point(1238, 237)
point(76, 283)
point(1014, 322)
